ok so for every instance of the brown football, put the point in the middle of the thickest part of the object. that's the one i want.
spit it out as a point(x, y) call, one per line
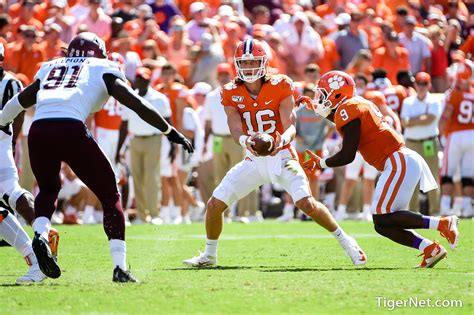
point(263, 143)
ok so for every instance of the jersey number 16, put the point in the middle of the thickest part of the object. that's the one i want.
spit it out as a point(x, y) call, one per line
point(57, 75)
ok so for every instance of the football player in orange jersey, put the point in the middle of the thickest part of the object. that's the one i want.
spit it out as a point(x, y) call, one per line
point(363, 128)
point(259, 103)
point(394, 94)
point(457, 121)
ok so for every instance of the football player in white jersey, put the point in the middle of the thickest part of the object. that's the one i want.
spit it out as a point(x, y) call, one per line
point(66, 91)
point(12, 196)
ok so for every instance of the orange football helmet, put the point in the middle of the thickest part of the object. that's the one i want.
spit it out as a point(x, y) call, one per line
point(333, 88)
point(247, 52)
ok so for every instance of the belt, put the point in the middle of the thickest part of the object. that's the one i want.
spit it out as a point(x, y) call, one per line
point(146, 136)
point(422, 140)
point(222, 136)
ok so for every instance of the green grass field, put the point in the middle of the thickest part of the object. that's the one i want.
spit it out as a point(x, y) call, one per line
point(267, 268)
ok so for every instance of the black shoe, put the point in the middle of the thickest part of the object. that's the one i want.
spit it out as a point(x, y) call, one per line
point(4, 243)
point(123, 276)
point(47, 262)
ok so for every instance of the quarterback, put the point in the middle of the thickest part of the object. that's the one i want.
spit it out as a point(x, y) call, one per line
point(66, 91)
point(364, 128)
point(259, 103)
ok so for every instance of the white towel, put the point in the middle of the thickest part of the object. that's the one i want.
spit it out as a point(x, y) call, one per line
point(427, 181)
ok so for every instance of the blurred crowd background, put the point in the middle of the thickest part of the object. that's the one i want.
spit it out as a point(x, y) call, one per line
point(178, 54)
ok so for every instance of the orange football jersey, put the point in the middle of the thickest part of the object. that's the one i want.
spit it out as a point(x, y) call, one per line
point(375, 97)
point(173, 92)
point(462, 104)
point(263, 113)
point(395, 96)
point(377, 139)
point(109, 117)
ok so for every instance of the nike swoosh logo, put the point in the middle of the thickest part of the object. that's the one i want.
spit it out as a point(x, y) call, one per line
point(266, 103)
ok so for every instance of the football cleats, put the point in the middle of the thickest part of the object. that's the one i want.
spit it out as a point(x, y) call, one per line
point(87, 44)
point(333, 88)
point(247, 51)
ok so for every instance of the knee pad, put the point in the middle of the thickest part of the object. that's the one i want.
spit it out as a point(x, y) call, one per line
point(467, 182)
point(446, 180)
point(16, 194)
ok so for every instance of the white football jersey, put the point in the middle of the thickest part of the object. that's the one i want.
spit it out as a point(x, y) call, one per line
point(9, 86)
point(73, 87)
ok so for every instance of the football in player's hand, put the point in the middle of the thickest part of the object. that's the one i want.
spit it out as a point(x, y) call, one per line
point(264, 143)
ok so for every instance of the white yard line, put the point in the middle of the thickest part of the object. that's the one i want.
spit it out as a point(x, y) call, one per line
point(246, 237)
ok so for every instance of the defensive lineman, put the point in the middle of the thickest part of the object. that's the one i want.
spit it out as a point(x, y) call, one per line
point(66, 91)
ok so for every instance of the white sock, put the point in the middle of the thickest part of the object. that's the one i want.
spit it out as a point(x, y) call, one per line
point(288, 209)
point(118, 251)
point(458, 205)
point(445, 203)
point(31, 259)
point(42, 225)
point(340, 235)
point(211, 248)
point(89, 211)
point(433, 222)
point(70, 210)
point(12, 232)
point(366, 208)
point(331, 201)
point(341, 208)
point(467, 205)
point(424, 243)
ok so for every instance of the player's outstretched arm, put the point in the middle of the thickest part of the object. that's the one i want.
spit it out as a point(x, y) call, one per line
point(124, 94)
point(350, 144)
point(19, 103)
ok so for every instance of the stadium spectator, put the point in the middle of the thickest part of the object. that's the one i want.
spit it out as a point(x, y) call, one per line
point(59, 15)
point(351, 40)
point(420, 115)
point(203, 68)
point(52, 45)
point(303, 45)
point(417, 46)
point(392, 57)
point(80, 9)
point(123, 46)
point(126, 11)
point(439, 57)
point(199, 23)
point(25, 17)
point(96, 21)
point(453, 38)
point(164, 12)
point(361, 63)
point(26, 54)
point(179, 43)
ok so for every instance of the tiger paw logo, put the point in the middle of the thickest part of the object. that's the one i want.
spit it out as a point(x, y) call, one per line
point(336, 82)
